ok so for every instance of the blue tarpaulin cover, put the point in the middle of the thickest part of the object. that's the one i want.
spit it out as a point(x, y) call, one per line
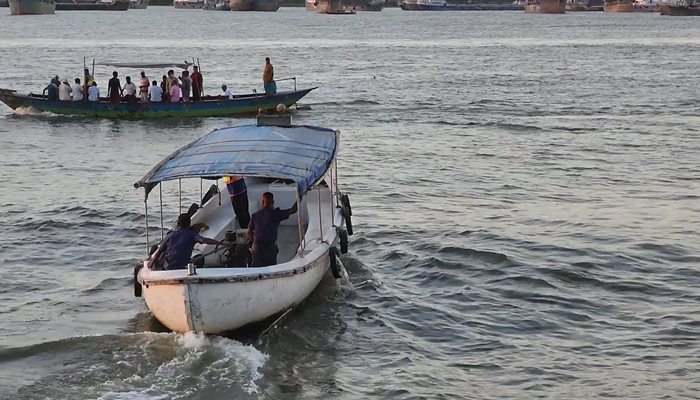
point(299, 153)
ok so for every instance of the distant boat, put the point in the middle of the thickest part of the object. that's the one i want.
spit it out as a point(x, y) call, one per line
point(409, 5)
point(138, 4)
point(584, 5)
point(328, 7)
point(630, 6)
point(210, 106)
point(364, 5)
point(545, 6)
point(4, 3)
point(91, 5)
point(32, 7)
point(681, 9)
point(254, 5)
point(189, 4)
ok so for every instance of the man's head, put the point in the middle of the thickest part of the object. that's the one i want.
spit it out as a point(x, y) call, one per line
point(115, 74)
point(155, 83)
point(94, 83)
point(77, 80)
point(143, 74)
point(171, 73)
point(196, 68)
point(185, 73)
point(223, 88)
point(128, 79)
point(183, 221)
point(268, 200)
point(267, 60)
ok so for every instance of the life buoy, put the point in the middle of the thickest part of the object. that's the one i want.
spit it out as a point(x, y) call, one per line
point(348, 220)
point(343, 236)
point(137, 286)
point(333, 255)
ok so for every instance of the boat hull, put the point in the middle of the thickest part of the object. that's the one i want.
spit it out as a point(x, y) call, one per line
point(679, 11)
point(545, 7)
point(114, 6)
point(254, 5)
point(225, 304)
point(32, 7)
point(187, 5)
point(247, 104)
point(139, 5)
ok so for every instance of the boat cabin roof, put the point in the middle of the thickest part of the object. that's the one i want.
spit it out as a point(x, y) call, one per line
point(302, 154)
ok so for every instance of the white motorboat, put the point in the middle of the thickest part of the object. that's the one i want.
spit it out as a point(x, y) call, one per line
point(218, 291)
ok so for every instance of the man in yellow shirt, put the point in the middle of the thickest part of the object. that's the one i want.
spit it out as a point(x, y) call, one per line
point(269, 77)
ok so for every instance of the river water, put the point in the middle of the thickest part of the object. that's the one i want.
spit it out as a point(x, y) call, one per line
point(525, 189)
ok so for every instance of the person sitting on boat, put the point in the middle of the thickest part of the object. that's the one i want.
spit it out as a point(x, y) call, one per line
point(143, 88)
point(178, 244)
point(238, 192)
point(197, 84)
point(77, 90)
point(114, 89)
point(269, 77)
point(89, 80)
point(130, 89)
point(227, 92)
point(52, 90)
point(64, 91)
point(262, 231)
point(155, 93)
point(164, 88)
point(94, 92)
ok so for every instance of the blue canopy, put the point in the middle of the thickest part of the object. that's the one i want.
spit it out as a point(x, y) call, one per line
point(302, 154)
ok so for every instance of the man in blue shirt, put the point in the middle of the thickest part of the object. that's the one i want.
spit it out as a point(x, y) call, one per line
point(178, 244)
point(262, 230)
point(52, 90)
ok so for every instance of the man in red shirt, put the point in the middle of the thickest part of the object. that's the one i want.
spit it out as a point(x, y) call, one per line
point(197, 82)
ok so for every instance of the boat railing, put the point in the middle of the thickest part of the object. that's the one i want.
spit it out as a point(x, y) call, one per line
point(293, 78)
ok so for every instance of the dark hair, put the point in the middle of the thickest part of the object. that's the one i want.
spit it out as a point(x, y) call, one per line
point(196, 68)
point(267, 59)
point(155, 83)
point(77, 80)
point(115, 74)
point(268, 196)
point(170, 71)
point(183, 221)
point(128, 79)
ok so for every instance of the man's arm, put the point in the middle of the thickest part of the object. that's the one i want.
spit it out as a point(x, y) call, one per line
point(154, 258)
point(208, 240)
point(293, 209)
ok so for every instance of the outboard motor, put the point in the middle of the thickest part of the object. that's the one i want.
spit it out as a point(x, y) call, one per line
point(236, 253)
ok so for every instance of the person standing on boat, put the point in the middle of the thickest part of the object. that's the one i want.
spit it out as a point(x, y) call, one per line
point(238, 192)
point(114, 89)
point(64, 91)
point(77, 90)
point(175, 91)
point(227, 92)
point(130, 89)
point(186, 86)
point(88, 81)
point(155, 93)
point(143, 87)
point(52, 90)
point(197, 84)
point(269, 77)
point(164, 89)
point(262, 231)
point(178, 245)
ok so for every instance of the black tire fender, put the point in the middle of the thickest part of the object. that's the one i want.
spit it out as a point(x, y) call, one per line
point(343, 239)
point(348, 220)
point(137, 286)
point(345, 199)
point(333, 255)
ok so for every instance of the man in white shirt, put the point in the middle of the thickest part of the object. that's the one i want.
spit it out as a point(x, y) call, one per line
point(155, 93)
point(64, 91)
point(130, 90)
point(77, 90)
point(143, 89)
point(227, 92)
point(94, 92)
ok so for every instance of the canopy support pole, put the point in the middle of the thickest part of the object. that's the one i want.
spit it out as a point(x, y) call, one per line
point(201, 195)
point(330, 186)
point(145, 204)
point(179, 195)
point(302, 245)
point(160, 197)
point(320, 224)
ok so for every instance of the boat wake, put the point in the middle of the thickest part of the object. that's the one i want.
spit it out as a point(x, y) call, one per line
point(22, 111)
point(144, 365)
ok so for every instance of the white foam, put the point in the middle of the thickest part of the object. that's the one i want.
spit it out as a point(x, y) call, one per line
point(31, 111)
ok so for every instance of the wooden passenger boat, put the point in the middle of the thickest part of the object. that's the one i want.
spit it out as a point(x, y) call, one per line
point(32, 7)
point(218, 291)
point(209, 106)
point(91, 5)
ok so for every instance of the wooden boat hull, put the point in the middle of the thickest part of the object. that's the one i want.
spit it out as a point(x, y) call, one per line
point(545, 7)
point(32, 7)
point(246, 104)
point(186, 5)
point(679, 11)
point(115, 6)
